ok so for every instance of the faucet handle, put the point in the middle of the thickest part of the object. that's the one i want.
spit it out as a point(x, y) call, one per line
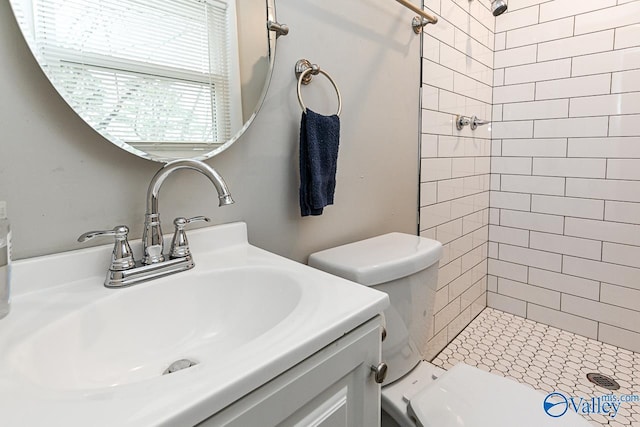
point(475, 122)
point(122, 256)
point(462, 121)
point(180, 244)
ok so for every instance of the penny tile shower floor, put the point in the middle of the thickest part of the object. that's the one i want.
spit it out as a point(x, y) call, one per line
point(547, 359)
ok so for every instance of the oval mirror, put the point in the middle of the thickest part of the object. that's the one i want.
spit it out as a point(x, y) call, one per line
point(162, 79)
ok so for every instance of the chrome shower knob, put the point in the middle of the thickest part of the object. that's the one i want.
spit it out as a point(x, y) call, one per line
point(475, 122)
point(462, 121)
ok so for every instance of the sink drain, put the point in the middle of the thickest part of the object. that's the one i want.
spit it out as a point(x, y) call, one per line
point(179, 365)
point(603, 381)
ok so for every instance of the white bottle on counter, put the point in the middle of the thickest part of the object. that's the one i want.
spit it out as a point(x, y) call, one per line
point(5, 261)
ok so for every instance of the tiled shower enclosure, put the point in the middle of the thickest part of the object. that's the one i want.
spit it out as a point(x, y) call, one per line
point(555, 179)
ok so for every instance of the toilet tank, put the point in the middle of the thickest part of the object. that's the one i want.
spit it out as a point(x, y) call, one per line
point(406, 268)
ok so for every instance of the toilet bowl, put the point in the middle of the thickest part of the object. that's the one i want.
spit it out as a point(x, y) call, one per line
point(415, 392)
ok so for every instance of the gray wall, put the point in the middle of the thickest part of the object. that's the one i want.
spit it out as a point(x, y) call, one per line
point(61, 178)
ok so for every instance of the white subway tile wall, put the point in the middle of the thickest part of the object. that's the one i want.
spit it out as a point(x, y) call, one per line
point(458, 62)
point(565, 186)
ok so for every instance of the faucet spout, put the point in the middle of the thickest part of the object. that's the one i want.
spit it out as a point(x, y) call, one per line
point(152, 237)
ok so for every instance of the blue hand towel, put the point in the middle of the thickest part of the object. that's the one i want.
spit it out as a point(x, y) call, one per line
point(319, 141)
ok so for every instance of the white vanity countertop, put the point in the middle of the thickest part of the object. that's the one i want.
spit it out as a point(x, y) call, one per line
point(50, 291)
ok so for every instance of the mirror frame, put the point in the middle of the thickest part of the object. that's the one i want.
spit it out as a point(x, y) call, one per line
point(272, 42)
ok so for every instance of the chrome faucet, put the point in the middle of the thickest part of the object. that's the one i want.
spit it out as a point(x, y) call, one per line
point(124, 271)
point(152, 238)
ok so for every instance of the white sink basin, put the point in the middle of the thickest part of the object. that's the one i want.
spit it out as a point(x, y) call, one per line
point(83, 354)
point(135, 335)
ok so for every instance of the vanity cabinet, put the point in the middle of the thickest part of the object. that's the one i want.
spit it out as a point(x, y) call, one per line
point(332, 388)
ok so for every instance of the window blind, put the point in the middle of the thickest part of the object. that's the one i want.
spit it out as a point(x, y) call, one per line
point(141, 70)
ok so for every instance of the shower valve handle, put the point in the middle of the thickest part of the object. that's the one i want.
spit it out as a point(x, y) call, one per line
point(462, 121)
point(475, 122)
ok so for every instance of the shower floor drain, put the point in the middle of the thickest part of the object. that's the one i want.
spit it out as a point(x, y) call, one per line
point(603, 381)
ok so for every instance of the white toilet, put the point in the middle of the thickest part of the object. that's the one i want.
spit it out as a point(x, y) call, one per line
point(415, 392)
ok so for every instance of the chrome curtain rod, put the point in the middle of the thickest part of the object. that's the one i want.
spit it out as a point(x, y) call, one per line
point(422, 13)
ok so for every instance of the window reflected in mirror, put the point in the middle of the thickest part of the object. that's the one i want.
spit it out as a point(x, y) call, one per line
point(167, 78)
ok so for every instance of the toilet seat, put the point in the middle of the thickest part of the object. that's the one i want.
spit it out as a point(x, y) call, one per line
point(469, 397)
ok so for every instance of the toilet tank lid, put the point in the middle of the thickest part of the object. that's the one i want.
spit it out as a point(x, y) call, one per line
point(379, 259)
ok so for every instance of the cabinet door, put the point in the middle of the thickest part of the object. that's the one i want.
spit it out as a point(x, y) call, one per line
point(326, 411)
point(332, 388)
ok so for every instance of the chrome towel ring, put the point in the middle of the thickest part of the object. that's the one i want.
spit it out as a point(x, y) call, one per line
point(305, 71)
